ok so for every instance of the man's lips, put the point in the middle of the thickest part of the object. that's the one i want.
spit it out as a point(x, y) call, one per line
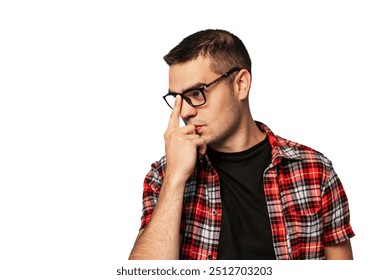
point(198, 128)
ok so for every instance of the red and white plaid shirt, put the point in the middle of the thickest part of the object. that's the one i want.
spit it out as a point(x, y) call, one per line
point(307, 204)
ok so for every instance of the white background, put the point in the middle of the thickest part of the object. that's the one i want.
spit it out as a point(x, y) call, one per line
point(82, 117)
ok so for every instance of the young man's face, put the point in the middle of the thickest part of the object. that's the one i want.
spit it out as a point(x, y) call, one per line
point(217, 121)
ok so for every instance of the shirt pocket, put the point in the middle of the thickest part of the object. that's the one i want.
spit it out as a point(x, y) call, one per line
point(304, 224)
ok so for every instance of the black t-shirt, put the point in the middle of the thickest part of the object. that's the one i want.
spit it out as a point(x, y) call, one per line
point(245, 229)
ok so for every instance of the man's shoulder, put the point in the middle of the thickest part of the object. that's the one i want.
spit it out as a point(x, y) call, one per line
point(159, 166)
point(297, 151)
point(290, 150)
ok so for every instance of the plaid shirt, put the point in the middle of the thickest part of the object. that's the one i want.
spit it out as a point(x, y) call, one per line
point(307, 204)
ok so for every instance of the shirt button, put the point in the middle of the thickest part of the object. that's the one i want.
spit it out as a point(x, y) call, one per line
point(214, 212)
point(209, 257)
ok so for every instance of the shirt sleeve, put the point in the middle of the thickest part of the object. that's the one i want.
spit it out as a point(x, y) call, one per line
point(151, 188)
point(336, 214)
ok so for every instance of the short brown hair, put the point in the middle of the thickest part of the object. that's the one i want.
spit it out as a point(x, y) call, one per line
point(224, 50)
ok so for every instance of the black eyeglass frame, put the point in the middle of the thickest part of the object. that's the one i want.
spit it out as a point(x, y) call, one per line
point(200, 89)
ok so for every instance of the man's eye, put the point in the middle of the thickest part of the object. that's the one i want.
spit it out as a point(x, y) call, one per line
point(196, 94)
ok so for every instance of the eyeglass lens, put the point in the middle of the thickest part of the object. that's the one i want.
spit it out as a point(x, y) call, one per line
point(194, 98)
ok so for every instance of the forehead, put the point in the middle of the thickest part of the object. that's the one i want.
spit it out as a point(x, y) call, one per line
point(189, 74)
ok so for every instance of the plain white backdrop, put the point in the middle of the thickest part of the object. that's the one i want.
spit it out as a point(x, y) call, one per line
point(82, 115)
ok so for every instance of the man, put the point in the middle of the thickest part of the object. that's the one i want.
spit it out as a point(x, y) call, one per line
point(228, 188)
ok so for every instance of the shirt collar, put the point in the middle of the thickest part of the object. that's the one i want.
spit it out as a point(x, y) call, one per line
point(281, 148)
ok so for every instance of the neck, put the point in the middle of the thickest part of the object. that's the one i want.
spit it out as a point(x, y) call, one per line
point(247, 136)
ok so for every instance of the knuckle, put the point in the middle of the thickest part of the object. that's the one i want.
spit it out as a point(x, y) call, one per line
point(171, 134)
point(166, 135)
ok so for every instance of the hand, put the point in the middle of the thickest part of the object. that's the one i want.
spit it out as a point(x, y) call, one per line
point(181, 146)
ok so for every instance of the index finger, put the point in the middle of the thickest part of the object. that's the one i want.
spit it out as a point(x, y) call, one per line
point(174, 121)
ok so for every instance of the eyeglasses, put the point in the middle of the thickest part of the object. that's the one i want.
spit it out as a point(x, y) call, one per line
point(195, 96)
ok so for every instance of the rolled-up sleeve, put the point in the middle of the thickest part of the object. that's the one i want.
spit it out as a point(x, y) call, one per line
point(151, 188)
point(336, 214)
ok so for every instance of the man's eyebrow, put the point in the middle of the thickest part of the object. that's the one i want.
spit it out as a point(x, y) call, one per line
point(190, 88)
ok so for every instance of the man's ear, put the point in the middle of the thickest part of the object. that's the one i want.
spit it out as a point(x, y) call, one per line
point(242, 84)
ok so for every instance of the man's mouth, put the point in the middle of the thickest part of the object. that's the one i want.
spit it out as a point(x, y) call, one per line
point(198, 128)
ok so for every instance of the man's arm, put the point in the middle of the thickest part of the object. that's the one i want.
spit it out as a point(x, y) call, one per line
point(341, 251)
point(161, 237)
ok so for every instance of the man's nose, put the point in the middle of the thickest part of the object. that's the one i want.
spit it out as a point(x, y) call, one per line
point(187, 111)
